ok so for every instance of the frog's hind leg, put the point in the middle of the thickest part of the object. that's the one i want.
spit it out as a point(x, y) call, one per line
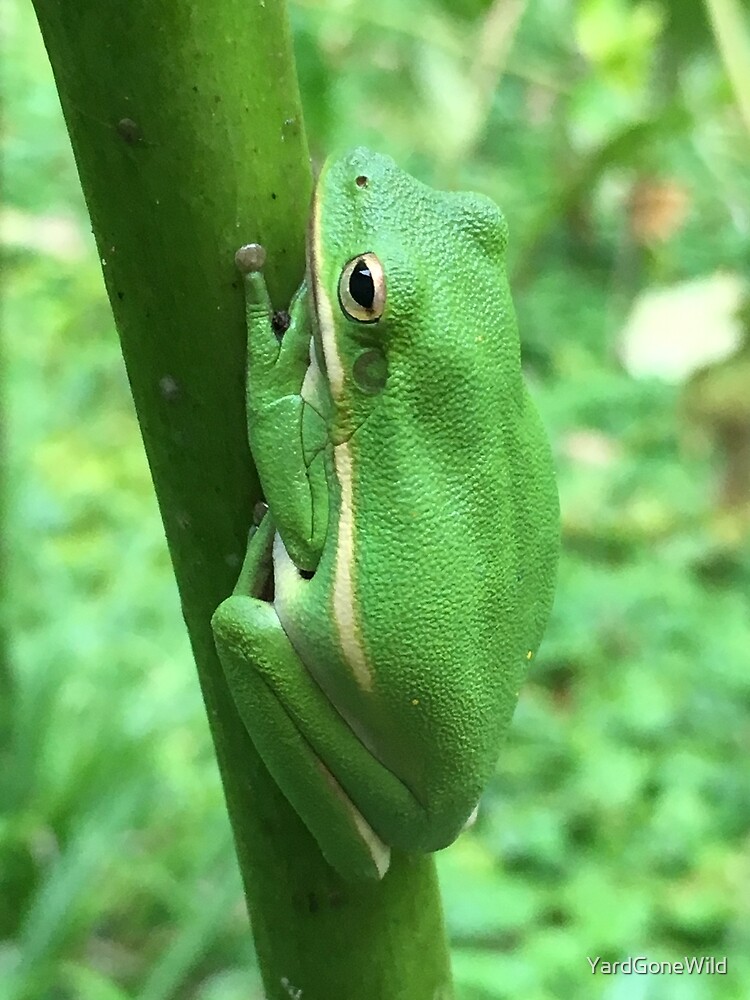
point(252, 647)
point(256, 574)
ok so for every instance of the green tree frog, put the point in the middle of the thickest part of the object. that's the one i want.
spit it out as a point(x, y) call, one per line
point(396, 589)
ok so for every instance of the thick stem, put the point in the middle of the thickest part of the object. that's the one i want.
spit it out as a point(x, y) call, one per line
point(186, 127)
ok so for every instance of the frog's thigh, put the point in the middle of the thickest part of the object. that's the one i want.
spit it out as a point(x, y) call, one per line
point(251, 644)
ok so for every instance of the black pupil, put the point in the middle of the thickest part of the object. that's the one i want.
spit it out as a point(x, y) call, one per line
point(361, 285)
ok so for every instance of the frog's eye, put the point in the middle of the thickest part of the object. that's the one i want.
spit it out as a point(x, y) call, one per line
point(362, 289)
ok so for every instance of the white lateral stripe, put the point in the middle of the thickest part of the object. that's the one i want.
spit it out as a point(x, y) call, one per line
point(379, 852)
point(325, 319)
point(344, 604)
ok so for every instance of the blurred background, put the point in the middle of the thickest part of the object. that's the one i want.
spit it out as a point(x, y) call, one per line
point(614, 135)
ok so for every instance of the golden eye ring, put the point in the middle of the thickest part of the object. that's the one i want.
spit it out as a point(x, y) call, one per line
point(362, 289)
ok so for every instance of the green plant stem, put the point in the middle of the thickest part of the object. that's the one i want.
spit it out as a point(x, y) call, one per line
point(186, 127)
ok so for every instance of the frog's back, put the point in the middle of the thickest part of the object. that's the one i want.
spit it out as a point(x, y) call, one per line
point(454, 566)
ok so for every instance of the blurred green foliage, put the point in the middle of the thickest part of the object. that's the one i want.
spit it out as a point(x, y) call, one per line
point(619, 820)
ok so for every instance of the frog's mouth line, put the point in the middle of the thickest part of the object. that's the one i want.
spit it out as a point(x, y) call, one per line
point(321, 314)
point(321, 311)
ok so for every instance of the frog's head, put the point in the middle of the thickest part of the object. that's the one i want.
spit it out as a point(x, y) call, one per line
point(392, 267)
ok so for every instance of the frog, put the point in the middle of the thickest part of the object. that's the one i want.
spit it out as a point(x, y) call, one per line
point(397, 583)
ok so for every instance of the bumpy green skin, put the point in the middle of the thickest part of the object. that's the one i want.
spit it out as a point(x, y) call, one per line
point(411, 479)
